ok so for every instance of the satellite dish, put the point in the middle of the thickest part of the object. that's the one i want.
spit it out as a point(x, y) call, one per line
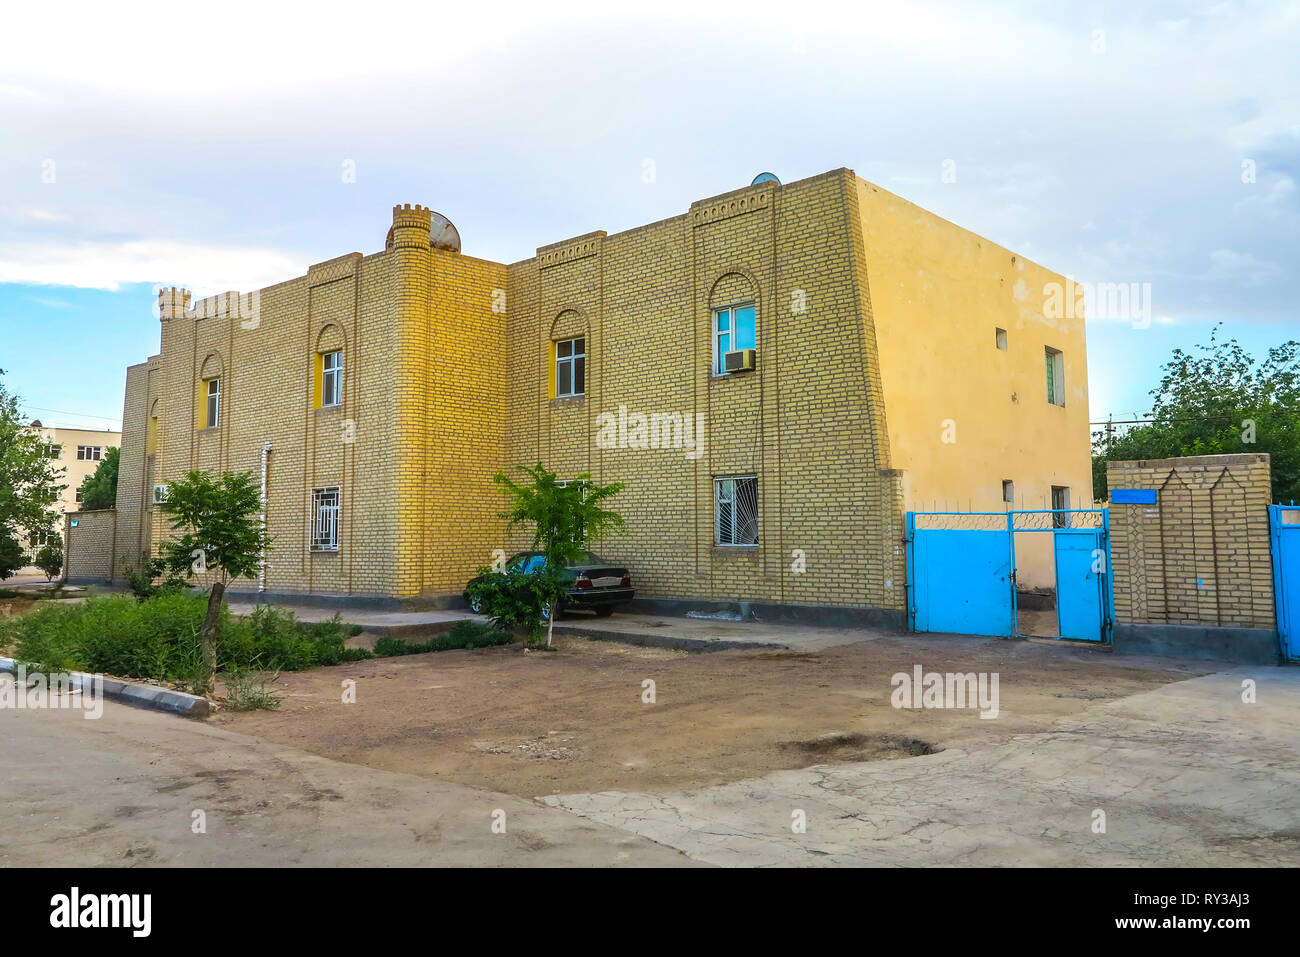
point(442, 234)
point(765, 178)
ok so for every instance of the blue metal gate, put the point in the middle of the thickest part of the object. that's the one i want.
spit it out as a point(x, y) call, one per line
point(1284, 528)
point(962, 579)
point(959, 573)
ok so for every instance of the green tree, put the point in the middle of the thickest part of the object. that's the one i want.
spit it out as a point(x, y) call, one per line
point(12, 555)
point(99, 488)
point(220, 533)
point(49, 558)
point(1218, 399)
point(565, 517)
point(29, 482)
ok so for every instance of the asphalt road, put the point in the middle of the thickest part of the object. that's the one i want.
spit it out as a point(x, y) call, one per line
point(123, 791)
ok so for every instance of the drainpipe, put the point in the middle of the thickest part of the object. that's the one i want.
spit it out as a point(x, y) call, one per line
point(261, 562)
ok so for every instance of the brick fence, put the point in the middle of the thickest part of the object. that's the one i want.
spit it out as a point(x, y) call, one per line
point(1190, 563)
point(90, 546)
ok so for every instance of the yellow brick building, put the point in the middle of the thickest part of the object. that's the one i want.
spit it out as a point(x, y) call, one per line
point(898, 361)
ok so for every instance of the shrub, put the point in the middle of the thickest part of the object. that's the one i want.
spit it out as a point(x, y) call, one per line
point(464, 634)
point(515, 600)
point(143, 581)
point(50, 558)
point(159, 637)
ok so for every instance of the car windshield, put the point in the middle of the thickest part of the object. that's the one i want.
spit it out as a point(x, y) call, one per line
point(530, 562)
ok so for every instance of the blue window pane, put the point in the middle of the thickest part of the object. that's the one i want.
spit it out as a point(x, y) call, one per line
point(724, 321)
point(745, 328)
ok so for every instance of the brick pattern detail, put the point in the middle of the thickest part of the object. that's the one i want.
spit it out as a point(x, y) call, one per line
point(1200, 555)
point(91, 545)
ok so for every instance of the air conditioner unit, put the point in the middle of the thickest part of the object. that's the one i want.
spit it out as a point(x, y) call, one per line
point(159, 494)
point(742, 360)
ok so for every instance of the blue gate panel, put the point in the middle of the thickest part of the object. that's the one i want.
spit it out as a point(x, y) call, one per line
point(1079, 586)
point(962, 581)
point(1286, 578)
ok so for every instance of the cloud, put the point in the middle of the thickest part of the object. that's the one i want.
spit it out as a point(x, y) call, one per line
point(206, 269)
point(1233, 266)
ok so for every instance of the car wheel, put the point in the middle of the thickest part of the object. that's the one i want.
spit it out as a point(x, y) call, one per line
point(603, 611)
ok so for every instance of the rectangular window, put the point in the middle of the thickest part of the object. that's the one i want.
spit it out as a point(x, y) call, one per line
point(571, 367)
point(53, 451)
point(1008, 491)
point(77, 497)
point(1060, 502)
point(325, 519)
point(331, 379)
point(1000, 337)
point(736, 510)
point(733, 330)
point(213, 417)
point(1055, 376)
point(89, 453)
point(40, 539)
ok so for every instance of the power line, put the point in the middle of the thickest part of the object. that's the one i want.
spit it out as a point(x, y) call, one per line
point(83, 415)
point(1204, 418)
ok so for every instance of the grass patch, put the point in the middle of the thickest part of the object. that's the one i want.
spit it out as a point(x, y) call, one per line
point(249, 692)
point(158, 638)
point(464, 634)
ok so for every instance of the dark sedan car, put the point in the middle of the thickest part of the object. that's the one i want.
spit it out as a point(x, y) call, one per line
point(596, 584)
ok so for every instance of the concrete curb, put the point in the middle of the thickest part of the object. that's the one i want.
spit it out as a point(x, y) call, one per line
point(665, 641)
point(136, 695)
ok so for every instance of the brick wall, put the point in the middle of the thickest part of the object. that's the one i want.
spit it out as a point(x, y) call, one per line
point(808, 422)
point(1200, 555)
point(90, 545)
point(449, 378)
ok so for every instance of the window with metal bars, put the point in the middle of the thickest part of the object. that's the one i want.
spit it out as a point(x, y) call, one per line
point(1060, 506)
point(325, 519)
point(735, 501)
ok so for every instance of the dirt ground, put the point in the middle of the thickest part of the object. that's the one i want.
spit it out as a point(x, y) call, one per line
point(572, 720)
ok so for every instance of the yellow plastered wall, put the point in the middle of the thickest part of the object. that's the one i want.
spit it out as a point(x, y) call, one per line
point(938, 294)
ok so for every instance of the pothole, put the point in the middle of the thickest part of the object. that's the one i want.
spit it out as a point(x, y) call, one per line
point(851, 746)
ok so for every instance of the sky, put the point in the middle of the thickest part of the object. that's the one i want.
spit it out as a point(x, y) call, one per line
point(1117, 143)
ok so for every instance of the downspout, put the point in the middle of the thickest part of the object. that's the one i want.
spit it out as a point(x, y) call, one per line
point(261, 561)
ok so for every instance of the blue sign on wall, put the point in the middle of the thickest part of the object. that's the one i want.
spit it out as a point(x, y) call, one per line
point(1132, 496)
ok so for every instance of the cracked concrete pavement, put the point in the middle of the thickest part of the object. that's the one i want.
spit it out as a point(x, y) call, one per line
point(121, 791)
point(1186, 775)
